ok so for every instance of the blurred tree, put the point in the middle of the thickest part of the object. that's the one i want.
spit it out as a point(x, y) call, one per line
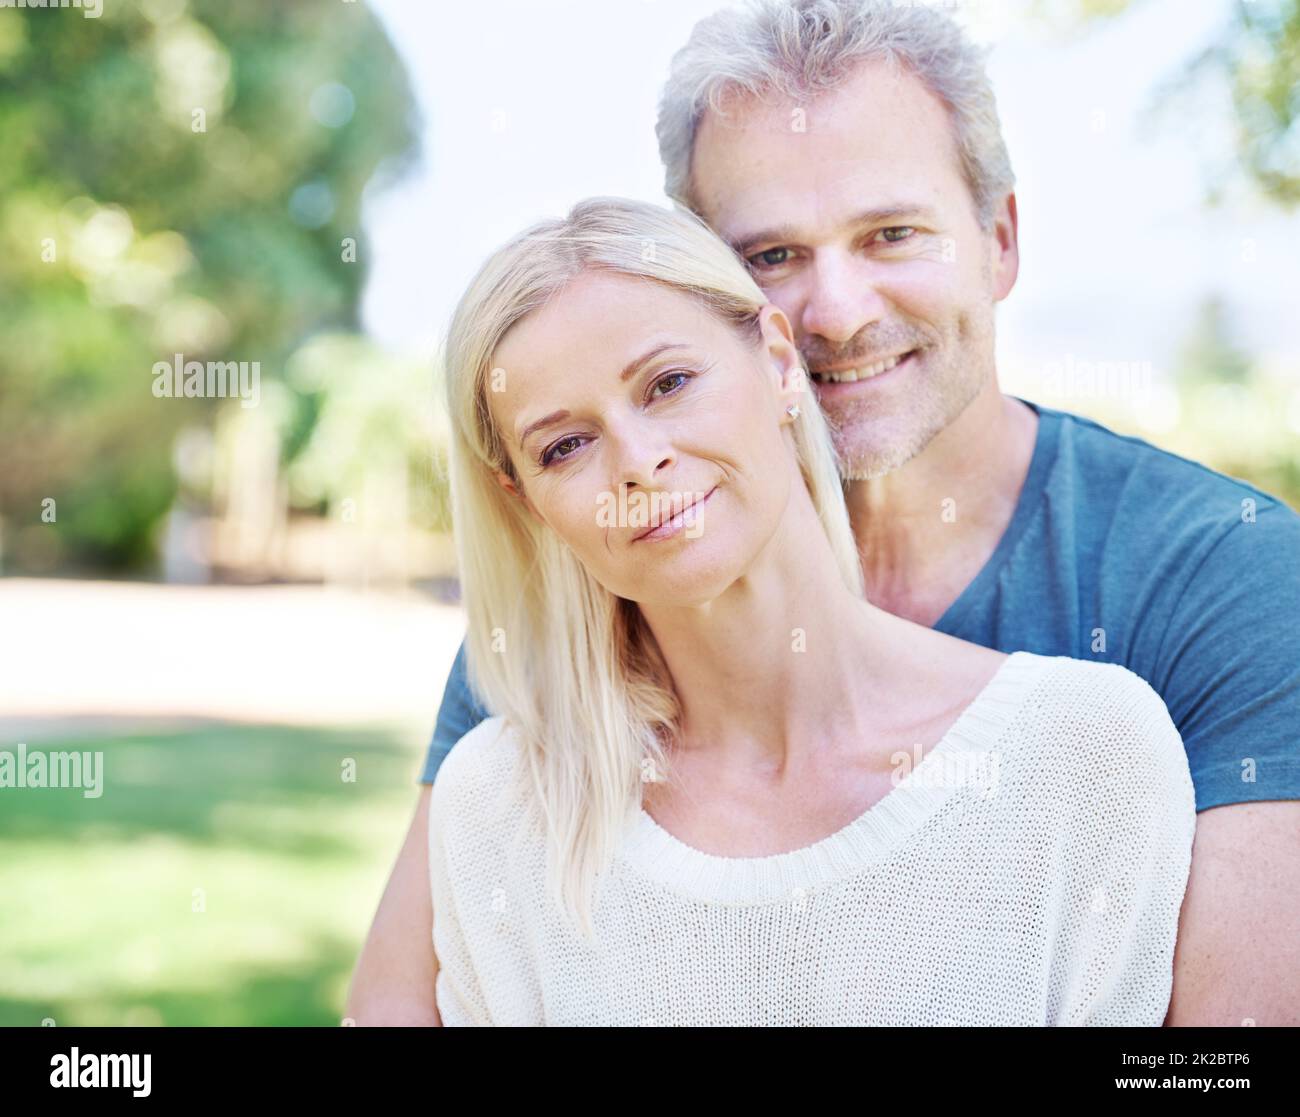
point(177, 178)
point(1257, 57)
point(1209, 354)
point(1224, 391)
point(1252, 71)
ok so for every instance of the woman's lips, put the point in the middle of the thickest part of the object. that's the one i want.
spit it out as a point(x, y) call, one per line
point(676, 523)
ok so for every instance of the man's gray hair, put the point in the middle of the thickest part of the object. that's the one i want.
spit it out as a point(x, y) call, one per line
point(798, 48)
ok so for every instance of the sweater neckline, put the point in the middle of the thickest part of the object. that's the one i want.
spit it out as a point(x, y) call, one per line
point(654, 853)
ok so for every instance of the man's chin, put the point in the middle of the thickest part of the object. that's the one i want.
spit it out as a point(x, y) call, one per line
point(863, 459)
point(873, 446)
point(869, 470)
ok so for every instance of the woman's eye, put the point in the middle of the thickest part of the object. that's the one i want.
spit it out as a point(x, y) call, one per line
point(897, 233)
point(664, 380)
point(551, 455)
point(765, 258)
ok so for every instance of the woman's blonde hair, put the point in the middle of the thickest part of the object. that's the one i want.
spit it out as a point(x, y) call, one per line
point(572, 667)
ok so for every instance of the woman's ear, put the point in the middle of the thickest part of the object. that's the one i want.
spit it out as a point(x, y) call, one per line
point(779, 346)
point(506, 483)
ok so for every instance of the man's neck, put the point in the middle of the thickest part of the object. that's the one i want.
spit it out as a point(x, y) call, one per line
point(926, 530)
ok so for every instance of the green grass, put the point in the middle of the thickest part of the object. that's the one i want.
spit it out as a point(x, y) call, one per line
point(97, 896)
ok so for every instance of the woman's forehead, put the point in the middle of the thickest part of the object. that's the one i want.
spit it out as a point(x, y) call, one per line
point(601, 319)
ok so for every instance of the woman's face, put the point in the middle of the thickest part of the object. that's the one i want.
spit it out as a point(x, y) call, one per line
point(625, 405)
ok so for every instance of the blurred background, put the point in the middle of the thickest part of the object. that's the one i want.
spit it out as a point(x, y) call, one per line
point(245, 599)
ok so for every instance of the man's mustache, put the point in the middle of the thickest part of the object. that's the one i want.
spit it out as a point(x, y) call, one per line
point(864, 350)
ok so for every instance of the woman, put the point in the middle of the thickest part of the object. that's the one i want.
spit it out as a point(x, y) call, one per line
point(722, 787)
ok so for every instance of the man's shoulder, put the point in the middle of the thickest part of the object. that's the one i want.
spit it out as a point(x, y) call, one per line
point(1158, 512)
point(1099, 448)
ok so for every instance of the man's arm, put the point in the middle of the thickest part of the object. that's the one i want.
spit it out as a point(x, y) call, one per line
point(1237, 958)
point(394, 980)
point(1228, 666)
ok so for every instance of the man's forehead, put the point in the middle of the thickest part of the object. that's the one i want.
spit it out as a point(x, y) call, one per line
point(878, 139)
point(872, 96)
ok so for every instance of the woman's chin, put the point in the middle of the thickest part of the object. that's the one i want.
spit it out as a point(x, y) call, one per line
point(684, 583)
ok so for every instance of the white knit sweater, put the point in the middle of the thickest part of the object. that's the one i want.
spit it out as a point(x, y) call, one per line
point(1029, 871)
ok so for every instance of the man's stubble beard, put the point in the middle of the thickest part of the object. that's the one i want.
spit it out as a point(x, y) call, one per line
point(870, 445)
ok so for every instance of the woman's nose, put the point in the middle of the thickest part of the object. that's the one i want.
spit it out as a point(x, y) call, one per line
point(642, 454)
point(646, 472)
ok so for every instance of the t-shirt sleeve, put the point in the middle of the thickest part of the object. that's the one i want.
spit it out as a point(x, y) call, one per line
point(459, 713)
point(1129, 854)
point(1230, 660)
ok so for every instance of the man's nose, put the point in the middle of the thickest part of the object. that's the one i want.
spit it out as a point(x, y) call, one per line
point(843, 297)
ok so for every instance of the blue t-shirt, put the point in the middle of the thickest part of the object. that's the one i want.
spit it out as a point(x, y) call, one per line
point(1122, 552)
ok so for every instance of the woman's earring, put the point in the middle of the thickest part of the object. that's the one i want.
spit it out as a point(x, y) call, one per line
point(793, 411)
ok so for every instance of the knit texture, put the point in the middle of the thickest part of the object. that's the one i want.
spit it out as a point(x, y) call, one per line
point(1030, 870)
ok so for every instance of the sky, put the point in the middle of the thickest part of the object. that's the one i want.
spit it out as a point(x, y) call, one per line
point(529, 105)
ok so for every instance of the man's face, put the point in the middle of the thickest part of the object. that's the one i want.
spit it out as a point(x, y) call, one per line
point(856, 221)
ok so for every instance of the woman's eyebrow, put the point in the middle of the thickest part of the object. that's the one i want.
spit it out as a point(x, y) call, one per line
point(648, 356)
point(628, 370)
point(545, 421)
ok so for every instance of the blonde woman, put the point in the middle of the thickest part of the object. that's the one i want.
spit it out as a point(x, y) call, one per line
point(720, 786)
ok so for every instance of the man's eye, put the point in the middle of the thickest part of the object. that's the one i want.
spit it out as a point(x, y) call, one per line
point(770, 257)
point(896, 233)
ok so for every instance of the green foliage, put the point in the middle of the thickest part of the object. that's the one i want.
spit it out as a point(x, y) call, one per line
point(130, 231)
point(1257, 59)
point(1264, 63)
point(1234, 411)
point(1223, 391)
point(1209, 354)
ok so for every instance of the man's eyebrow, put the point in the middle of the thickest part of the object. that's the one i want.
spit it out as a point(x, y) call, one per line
point(628, 370)
point(782, 234)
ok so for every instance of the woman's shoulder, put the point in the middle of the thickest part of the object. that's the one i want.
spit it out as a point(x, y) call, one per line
point(478, 806)
point(478, 766)
point(1103, 689)
point(1071, 692)
point(1109, 725)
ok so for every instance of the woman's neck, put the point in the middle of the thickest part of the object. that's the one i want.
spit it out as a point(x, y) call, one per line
point(787, 657)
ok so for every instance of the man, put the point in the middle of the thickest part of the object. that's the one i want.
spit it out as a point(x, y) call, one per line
point(851, 153)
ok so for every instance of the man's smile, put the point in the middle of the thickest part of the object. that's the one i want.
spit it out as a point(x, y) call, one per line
point(835, 381)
